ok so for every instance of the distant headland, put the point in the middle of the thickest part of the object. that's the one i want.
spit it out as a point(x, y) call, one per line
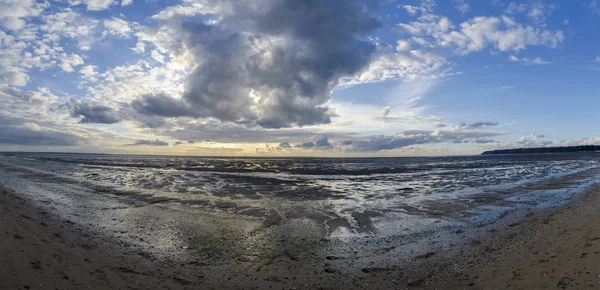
point(586, 148)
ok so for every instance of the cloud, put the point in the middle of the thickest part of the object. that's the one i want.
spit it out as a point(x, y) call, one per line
point(117, 27)
point(38, 46)
point(414, 65)
point(414, 137)
point(538, 11)
point(163, 105)
point(156, 55)
point(484, 141)
point(94, 113)
point(69, 61)
point(306, 145)
point(536, 140)
point(149, 143)
point(16, 101)
point(385, 112)
point(529, 61)
point(96, 5)
point(89, 72)
point(514, 8)
point(14, 12)
point(425, 7)
point(462, 6)
point(31, 134)
point(476, 34)
point(503, 88)
point(403, 46)
point(213, 130)
point(13, 77)
point(597, 59)
point(529, 141)
point(274, 64)
point(322, 142)
point(477, 125)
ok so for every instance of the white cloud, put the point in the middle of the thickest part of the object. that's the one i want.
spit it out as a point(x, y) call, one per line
point(425, 7)
point(534, 141)
point(189, 9)
point(402, 46)
point(155, 54)
point(462, 6)
point(412, 10)
point(117, 27)
point(413, 65)
point(89, 72)
point(597, 59)
point(14, 61)
point(514, 8)
point(13, 77)
point(140, 47)
point(67, 23)
point(14, 12)
point(126, 2)
point(69, 61)
point(478, 33)
point(537, 11)
point(529, 61)
point(97, 5)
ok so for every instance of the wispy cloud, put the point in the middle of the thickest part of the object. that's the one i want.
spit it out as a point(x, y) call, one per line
point(529, 61)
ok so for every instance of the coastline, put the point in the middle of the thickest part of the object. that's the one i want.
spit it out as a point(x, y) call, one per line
point(553, 248)
point(556, 248)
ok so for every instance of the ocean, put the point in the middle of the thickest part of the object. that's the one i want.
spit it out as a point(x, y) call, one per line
point(255, 203)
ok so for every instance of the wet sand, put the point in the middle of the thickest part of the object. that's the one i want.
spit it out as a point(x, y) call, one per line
point(553, 249)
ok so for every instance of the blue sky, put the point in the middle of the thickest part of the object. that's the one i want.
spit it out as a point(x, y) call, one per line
point(291, 77)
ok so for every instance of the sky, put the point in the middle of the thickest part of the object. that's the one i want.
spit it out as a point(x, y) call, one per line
point(298, 77)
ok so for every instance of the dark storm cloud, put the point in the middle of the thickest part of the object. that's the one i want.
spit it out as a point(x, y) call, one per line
point(306, 145)
point(94, 113)
point(23, 135)
point(477, 125)
point(162, 105)
point(149, 143)
point(322, 142)
point(272, 64)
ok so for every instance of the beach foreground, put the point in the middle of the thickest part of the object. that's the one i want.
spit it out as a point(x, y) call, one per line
point(556, 248)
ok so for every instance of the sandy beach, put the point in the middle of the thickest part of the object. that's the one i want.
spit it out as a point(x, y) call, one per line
point(557, 248)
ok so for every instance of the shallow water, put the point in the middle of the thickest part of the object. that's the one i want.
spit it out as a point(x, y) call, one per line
point(267, 207)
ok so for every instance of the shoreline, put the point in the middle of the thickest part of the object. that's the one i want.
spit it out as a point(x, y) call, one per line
point(551, 248)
